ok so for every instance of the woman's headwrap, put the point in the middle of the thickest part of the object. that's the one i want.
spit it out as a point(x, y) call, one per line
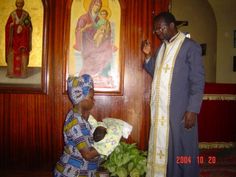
point(78, 87)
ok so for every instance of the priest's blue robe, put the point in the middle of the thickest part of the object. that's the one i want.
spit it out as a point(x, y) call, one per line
point(187, 88)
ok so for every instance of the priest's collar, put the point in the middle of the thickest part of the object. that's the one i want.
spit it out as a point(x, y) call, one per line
point(173, 38)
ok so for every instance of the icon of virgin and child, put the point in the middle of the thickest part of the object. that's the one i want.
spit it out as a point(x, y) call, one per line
point(94, 45)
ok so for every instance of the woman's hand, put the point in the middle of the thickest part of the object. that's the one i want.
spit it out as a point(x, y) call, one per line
point(89, 153)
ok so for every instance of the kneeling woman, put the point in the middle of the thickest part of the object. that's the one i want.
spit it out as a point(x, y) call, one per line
point(79, 157)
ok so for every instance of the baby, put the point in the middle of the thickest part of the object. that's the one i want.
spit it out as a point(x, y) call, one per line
point(108, 133)
point(99, 133)
point(103, 28)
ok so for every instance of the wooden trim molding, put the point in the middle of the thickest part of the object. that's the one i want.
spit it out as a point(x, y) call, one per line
point(216, 145)
point(229, 97)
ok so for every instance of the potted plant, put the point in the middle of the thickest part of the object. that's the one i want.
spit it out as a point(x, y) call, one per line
point(126, 160)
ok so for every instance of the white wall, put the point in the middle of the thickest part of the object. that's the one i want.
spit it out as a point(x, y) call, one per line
point(202, 27)
point(226, 23)
point(211, 22)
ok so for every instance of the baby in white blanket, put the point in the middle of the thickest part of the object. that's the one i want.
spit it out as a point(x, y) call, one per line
point(107, 134)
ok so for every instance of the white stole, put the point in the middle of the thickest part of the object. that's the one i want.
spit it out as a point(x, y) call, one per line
point(160, 102)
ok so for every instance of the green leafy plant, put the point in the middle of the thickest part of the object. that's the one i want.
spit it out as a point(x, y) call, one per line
point(126, 160)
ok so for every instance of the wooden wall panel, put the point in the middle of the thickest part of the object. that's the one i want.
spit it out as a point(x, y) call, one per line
point(31, 124)
point(26, 123)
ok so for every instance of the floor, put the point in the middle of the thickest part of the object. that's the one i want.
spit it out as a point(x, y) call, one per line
point(218, 162)
point(18, 173)
point(213, 163)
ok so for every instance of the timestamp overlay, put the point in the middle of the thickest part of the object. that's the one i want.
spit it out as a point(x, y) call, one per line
point(201, 159)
